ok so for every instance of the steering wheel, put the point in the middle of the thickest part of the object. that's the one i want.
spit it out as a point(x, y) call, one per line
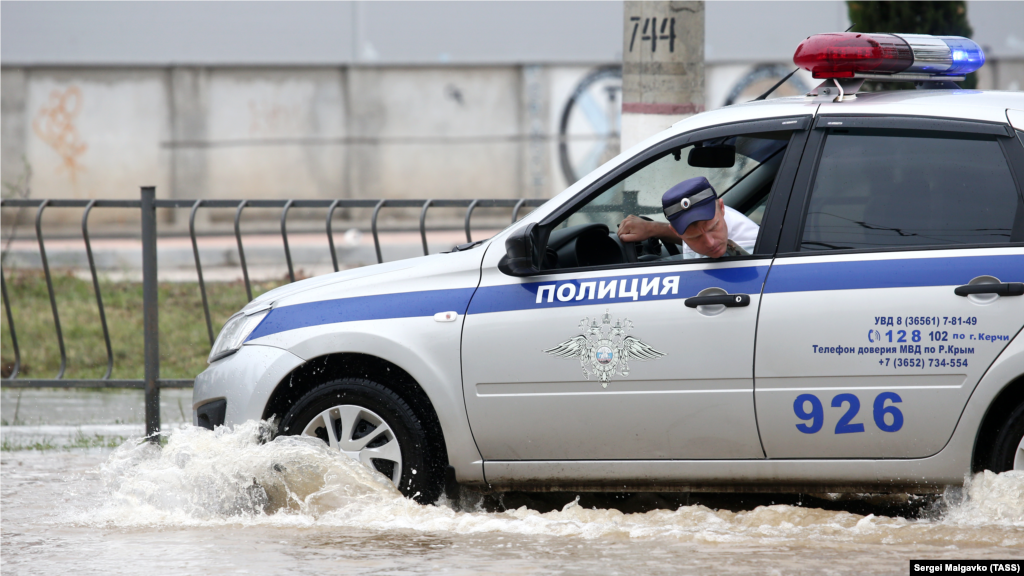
point(636, 251)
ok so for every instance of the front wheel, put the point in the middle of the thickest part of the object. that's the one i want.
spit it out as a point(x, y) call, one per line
point(369, 423)
point(1008, 448)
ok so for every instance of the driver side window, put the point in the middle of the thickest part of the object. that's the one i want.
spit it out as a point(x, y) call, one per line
point(741, 169)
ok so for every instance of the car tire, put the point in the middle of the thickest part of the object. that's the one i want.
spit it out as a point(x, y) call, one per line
point(1008, 448)
point(372, 424)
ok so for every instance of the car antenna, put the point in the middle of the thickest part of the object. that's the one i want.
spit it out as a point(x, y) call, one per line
point(788, 76)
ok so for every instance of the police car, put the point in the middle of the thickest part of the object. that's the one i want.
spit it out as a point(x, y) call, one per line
point(870, 341)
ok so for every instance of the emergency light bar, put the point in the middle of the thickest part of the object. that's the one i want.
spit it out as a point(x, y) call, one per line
point(895, 57)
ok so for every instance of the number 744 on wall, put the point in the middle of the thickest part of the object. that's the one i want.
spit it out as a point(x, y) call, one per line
point(816, 414)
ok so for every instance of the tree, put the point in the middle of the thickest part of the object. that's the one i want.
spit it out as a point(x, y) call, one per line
point(936, 18)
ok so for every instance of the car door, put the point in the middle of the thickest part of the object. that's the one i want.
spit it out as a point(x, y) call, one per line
point(605, 361)
point(894, 287)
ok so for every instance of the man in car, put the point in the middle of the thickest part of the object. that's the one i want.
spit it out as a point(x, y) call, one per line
point(698, 219)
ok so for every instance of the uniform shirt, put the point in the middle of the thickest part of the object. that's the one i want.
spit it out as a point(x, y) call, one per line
point(742, 234)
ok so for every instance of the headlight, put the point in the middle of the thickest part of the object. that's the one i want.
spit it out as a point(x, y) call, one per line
point(235, 331)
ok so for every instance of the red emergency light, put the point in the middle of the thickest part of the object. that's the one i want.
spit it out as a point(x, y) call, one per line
point(856, 55)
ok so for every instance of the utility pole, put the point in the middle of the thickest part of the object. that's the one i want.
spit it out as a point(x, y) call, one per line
point(662, 66)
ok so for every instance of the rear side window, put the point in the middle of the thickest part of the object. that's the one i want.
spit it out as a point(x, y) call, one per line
point(880, 189)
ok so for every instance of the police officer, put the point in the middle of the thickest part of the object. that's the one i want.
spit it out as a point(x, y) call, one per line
point(698, 219)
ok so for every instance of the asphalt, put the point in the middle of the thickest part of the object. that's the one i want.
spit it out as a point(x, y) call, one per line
point(121, 258)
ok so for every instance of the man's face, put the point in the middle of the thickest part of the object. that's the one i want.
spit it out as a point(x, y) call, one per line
point(709, 237)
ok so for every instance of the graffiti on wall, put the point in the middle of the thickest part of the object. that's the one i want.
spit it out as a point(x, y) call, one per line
point(54, 124)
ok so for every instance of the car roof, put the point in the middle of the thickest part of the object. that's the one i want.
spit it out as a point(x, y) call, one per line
point(989, 106)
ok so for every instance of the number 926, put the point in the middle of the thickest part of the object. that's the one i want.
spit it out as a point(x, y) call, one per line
point(887, 418)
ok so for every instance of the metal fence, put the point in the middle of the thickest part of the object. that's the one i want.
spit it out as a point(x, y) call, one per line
point(147, 205)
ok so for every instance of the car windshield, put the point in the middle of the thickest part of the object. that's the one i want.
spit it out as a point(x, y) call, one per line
point(640, 192)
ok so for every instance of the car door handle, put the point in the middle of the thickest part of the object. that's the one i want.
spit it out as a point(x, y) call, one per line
point(727, 300)
point(1004, 289)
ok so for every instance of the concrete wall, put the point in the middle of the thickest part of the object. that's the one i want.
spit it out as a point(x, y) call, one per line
point(334, 33)
point(260, 133)
point(431, 134)
point(295, 132)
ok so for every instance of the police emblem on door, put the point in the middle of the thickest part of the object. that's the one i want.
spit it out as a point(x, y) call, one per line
point(605, 349)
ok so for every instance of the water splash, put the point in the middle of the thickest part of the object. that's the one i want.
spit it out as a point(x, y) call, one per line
point(237, 476)
point(201, 475)
point(990, 498)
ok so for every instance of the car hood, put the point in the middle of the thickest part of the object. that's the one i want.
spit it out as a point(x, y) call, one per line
point(454, 269)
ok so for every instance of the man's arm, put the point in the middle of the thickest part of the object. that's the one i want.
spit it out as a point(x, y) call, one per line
point(634, 229)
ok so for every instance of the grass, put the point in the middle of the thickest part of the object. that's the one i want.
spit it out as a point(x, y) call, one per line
point(184, 344)
point(80, 440)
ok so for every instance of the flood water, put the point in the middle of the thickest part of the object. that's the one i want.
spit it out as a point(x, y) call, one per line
point(227, 502)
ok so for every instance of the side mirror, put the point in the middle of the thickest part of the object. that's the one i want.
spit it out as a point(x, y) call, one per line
point(722, 156)
point(520, 253)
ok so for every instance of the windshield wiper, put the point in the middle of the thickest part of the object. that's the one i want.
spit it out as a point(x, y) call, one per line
point(466, 246)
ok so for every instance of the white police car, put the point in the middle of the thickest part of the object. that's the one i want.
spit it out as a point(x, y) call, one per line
point(870, 341)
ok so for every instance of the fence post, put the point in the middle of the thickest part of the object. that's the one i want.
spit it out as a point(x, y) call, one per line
point(150, 314)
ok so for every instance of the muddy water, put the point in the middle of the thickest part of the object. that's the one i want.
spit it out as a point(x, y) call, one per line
point(226, 502)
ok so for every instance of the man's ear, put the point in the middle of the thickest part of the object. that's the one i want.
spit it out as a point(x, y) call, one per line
point(721, 206)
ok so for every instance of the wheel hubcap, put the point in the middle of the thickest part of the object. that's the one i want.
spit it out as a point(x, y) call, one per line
point(1018, 456)
point(361, 435)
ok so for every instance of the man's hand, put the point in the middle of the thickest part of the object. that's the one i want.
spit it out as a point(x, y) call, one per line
point(635, 229)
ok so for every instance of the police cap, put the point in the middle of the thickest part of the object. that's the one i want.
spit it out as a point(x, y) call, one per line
point(689, 201)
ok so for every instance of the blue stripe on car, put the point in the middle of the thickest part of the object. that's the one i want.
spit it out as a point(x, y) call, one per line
point(904, 273)
point(376, 307)
point(817, 276)
point(747, 279)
